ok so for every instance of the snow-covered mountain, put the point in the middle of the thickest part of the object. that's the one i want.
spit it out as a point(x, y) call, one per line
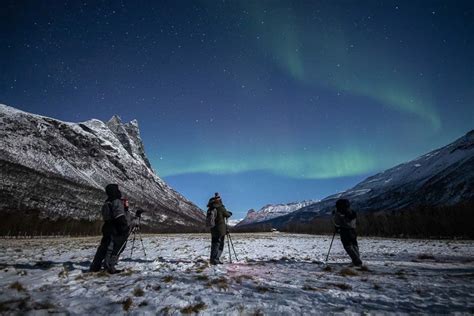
point(271, 211)
point(444, 176)
point(59, 170)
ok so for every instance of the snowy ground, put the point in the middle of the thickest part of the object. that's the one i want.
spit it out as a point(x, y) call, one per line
point(276, 274)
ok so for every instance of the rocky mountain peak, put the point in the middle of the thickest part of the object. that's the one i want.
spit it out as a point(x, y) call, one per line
point(65, 166)
point(129, 136)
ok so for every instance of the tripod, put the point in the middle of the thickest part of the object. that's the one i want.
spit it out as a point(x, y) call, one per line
point(229, 243)
point(330, 246)
point(336, 227)
point(134, 231)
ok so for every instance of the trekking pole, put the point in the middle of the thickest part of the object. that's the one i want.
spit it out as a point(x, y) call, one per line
point(327, 257)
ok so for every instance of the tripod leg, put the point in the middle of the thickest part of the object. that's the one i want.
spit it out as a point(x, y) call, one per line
point(228, 246)
point(327, 257)
point(143, 246)
point(124, 244)
point(232, 243)
point(133, 245)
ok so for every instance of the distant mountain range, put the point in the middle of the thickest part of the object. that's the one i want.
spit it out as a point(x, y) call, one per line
point(58, 170)
point(271, 211)
point(442, 177)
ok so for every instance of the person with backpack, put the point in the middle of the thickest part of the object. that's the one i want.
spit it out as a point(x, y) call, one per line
point(216, 221)
point(115, 230)
point(345, 222)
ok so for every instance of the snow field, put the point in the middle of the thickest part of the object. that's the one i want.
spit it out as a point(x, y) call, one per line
point(276, 273)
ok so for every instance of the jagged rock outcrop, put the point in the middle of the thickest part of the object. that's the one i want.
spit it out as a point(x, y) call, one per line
point(59, 169)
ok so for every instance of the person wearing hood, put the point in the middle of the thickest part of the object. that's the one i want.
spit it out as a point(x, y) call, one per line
point(345, 222)
point(115, 230)
point(219, 230)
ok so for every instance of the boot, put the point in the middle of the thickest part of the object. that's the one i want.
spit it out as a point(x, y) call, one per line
point(110, 265)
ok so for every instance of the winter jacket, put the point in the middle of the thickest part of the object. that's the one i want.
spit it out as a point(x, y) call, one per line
point(221, 215)
point(345, 220)
point(116, 218)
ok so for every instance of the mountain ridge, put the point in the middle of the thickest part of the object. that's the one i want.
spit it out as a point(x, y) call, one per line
point(441, 177)
point(83, 157)
point(270, 211)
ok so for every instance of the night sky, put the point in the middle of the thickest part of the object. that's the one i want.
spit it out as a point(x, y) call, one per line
point(262, 101)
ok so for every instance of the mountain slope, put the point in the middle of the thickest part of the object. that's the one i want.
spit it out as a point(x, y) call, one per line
point(271, 211)
point(59, 169)
point(442, 177)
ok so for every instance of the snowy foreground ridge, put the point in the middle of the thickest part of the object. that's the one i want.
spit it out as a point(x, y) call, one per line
point(279, 274)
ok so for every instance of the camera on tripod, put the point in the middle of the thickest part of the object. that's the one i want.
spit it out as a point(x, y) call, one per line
point(139, 213)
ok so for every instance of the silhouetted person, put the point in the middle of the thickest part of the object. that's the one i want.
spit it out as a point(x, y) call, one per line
point(219, 230)
point(115, 230)
point(345, 222)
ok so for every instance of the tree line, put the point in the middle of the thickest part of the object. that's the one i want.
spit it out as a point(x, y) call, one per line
point(29, 224)
point(416, 222)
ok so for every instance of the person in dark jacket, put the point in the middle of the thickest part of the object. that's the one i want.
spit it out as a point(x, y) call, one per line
point(345, 222)
point(219, 230)
point(115, 230)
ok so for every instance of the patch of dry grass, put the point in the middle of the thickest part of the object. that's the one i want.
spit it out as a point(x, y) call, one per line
point(263, 289)
point(202, 277)
point(64, 273)
point(127, 272)
point(348, 272)
point(17, 286)
point(425, 256)
point(220, 283)
point(308, 287)
point(342, 286)
point(401, 274)
point(138, 291)
point(42, 305)
point(102, 274)
point(193, 308)
point(242, 277)
point(127, 303)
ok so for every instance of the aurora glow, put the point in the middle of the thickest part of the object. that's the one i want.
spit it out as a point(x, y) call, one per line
point(320, 165)
point(263, 101)
point(322, 52)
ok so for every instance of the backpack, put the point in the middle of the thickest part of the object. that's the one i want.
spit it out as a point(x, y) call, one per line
point(211, 217)
point(107, 211)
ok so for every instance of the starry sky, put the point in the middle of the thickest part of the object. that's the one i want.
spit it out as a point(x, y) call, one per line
point(262, 101)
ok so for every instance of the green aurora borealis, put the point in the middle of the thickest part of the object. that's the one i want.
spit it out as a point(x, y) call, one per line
point(266, 101)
